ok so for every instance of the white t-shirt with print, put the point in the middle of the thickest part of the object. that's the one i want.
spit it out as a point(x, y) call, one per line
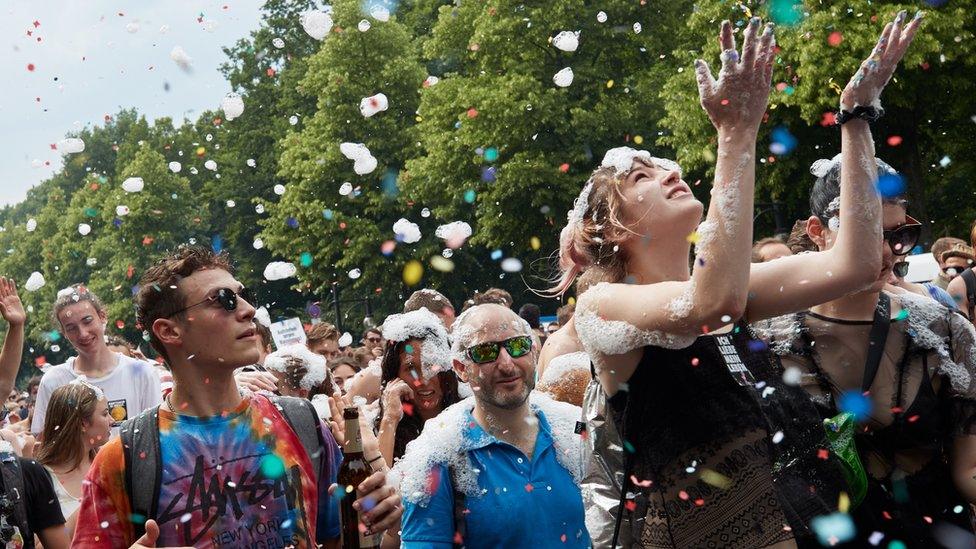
point(130, 388)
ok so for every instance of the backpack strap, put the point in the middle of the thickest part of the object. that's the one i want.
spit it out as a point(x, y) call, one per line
point(141, 434)
point(877, 339)
point(460, 506)
point(13, 488)
point(969, 277)
point(301, 416)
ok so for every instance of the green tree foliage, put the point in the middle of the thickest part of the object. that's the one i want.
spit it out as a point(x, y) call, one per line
point(925, 120)
point(329, 234)
point(507, 149)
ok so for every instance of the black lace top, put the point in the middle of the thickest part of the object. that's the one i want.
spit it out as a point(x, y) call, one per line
point(921, 400)
point(721, 452)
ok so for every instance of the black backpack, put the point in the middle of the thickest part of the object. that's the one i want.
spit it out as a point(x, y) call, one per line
point(143, 474)
point(12, 477)
point(970, 279)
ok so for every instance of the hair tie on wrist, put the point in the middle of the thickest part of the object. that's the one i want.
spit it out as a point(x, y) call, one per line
point(374, 459)
point(862, 112)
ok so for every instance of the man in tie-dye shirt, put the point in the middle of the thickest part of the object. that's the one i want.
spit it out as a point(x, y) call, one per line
point(233, 472)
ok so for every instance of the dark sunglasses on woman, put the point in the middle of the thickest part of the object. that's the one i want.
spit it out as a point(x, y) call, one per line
point(902, 239)
point(488, 352)
point(226, 297)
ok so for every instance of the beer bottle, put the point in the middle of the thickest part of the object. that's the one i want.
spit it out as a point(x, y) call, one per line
point(355, 469)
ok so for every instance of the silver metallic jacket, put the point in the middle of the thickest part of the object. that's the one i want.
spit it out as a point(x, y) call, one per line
point(603, 470)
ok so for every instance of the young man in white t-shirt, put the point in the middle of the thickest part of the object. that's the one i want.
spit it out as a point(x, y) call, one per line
point(130, 385)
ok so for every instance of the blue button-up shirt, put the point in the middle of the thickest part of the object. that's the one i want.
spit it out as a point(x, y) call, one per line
point(522, 502)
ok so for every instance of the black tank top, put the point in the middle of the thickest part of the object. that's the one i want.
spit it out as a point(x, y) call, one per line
point(722, 451)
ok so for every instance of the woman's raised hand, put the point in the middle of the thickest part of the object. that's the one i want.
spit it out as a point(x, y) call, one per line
point(864, 88)
point(738, 99)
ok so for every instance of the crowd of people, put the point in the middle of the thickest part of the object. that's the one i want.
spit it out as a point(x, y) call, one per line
point(782, 393)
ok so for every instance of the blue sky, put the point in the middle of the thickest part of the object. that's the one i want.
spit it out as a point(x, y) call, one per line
point(95, 57)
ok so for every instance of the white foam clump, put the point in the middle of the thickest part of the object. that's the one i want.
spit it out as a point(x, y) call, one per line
point(407, 230)
point(363, 161)
point(133, 185)
point(34, 282)
point(563, 78)
point(345, 339)
point(380, 13)
point(932, 327)
point(121, 210)
point(454, 233)
point(316, 23)
point(31, 225)
point(435, 351)
point(262, 316)
point(175, 167)
point(780, 333)
point(315, 366)
point(82, 380)
point(278, 270)
point(563, 364)
point(443, 437)
point(616, 337)
point(622, 158)
point(84, 229)
point(71, 145)
point(321, 404)
point(181, 58)
point(566, 40)
point(373, 104)
point(232, 105)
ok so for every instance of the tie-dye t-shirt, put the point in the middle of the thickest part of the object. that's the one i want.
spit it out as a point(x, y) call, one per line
point(242, 479)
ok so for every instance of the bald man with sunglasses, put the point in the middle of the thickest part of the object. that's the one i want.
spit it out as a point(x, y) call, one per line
point(514, 446)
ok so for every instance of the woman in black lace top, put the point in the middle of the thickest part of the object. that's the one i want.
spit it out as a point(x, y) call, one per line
point(719, 451)
point(915, 399)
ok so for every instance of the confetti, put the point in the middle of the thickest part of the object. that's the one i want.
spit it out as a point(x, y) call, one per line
point(511, 265)
point(34, 282)
point(354, 274)
point(71, 145)
point(278, 270)
point(317, 24)
point(373, 104)
point(406, 231)
point(891, 185)
point(833, 528)
point(563, 78)
point(835, 39)
point(566, 41)
point(133, 185)
point(181, 58)
point(232, 105)
point(413, 271)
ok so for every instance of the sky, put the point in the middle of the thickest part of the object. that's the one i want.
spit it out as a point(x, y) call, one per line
point(69, 63)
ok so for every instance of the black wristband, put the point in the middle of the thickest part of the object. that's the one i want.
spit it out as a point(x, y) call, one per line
point(374, 459)
point(866, 113)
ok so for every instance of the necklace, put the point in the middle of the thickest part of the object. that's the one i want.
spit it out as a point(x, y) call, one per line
point(169, 402)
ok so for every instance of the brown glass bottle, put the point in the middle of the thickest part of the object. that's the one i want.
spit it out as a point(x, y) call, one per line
point(355, 469)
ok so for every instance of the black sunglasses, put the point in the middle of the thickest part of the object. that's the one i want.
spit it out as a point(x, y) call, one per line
point(953, 271)
point(900, 269)
point(904, 238)
point(226, 297)
point(488, 352)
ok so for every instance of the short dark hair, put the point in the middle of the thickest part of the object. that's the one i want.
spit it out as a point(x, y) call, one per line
point(757, 248)
point(159, 295)
point(432, 300)
point(321, 332)
point(264, 333)
point(530, 313)
point(494, 295)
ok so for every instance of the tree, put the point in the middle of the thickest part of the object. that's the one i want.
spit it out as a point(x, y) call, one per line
point(327, 231)
point(924, 122)
point(507, 149)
